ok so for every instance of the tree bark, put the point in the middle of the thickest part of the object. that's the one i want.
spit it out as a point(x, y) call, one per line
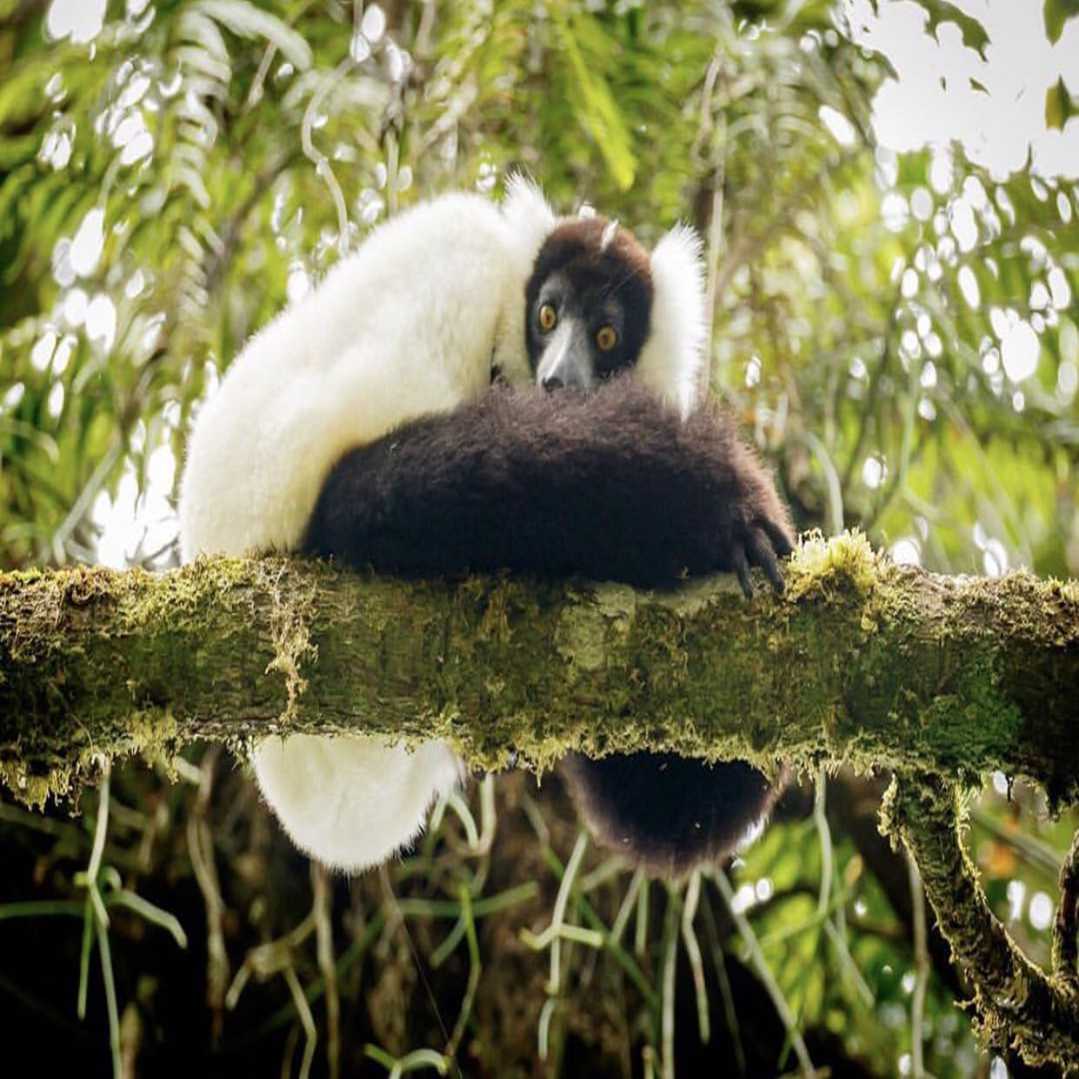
point(861, 661)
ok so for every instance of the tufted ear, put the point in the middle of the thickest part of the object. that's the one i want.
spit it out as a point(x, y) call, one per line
point(671, 359)
point(528, 214)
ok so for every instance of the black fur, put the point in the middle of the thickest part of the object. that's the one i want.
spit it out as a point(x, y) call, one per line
point(668, 813)
point(611, 485)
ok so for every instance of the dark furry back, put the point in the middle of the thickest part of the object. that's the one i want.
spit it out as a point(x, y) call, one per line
point(610, 486)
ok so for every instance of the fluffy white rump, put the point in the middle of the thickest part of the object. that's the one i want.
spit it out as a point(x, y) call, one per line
point(408, 325)
point(404, 327)
point(350, 802)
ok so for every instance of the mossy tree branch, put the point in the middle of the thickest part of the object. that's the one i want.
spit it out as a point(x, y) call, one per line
point(861, 661)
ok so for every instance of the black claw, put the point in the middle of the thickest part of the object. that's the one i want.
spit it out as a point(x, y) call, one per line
point(741, 568)
point(761, 551)
point(780, 540)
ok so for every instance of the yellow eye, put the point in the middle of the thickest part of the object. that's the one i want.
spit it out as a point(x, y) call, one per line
point(606, 338)
point(548, 317)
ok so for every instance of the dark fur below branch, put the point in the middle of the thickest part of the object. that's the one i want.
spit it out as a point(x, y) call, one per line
point(669, 813)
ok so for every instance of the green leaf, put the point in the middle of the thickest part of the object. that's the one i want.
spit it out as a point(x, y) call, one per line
point(1059, 106)
point(974, 33)
point(1057, 13)
point(15, 151)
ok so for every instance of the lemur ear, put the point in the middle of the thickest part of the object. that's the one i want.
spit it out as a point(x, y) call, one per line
point(671, 359)
point(527, 213)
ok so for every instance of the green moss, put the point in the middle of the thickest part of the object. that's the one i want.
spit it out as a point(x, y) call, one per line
point(36, 790)
point(590, 632)
point(860, 661)
point(820, 564)
point(153, 735)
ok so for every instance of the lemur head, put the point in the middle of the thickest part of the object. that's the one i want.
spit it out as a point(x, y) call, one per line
point(588, 304)
point(597, 303)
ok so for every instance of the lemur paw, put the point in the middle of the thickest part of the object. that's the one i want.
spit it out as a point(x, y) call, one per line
point(760, 541)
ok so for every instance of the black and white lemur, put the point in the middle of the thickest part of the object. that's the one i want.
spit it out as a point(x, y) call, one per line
point(361, 424)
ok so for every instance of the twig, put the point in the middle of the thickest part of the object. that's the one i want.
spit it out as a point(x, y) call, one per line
point(200, 848)
point(323, 910)
point(474, 969)
point(764, 973)
point(921, 972)
point(670, 967)
point(307, 1020)
point(876, 380)
point(628, 904)
point(1066, 929)
point(553, 934)
point(693, 950)
point(729, 1011)
point(824, 834)
point(321, 162)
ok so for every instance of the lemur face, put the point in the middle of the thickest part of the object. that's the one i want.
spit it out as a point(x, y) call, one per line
point(588, 304)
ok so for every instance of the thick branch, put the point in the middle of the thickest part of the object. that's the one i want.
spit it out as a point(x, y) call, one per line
point(861, 661)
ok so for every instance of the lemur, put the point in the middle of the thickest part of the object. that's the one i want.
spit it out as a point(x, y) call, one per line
point(361, 425)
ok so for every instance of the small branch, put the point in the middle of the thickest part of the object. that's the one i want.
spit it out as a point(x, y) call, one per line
point(200, 849)
point(764, 973)
point(323, 911)
point(323, 169)
point(921, 970)
point(868, 407)
point(1066, 929)
point(1016, 1003)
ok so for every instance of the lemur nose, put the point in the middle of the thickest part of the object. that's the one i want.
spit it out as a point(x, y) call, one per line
point(553, 383)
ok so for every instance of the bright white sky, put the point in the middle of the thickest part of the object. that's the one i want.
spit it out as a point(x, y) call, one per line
point(933, 102)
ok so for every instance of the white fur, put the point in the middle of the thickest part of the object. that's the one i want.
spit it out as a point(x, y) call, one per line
point(672, 357)
point(410, 324)
point(351, 802)
point(404, 327)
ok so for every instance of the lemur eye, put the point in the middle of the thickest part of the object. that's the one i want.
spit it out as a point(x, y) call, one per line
point(548, 318)
point(606, 338)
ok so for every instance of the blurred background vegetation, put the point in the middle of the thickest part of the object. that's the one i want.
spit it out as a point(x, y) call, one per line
point(890, 208)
